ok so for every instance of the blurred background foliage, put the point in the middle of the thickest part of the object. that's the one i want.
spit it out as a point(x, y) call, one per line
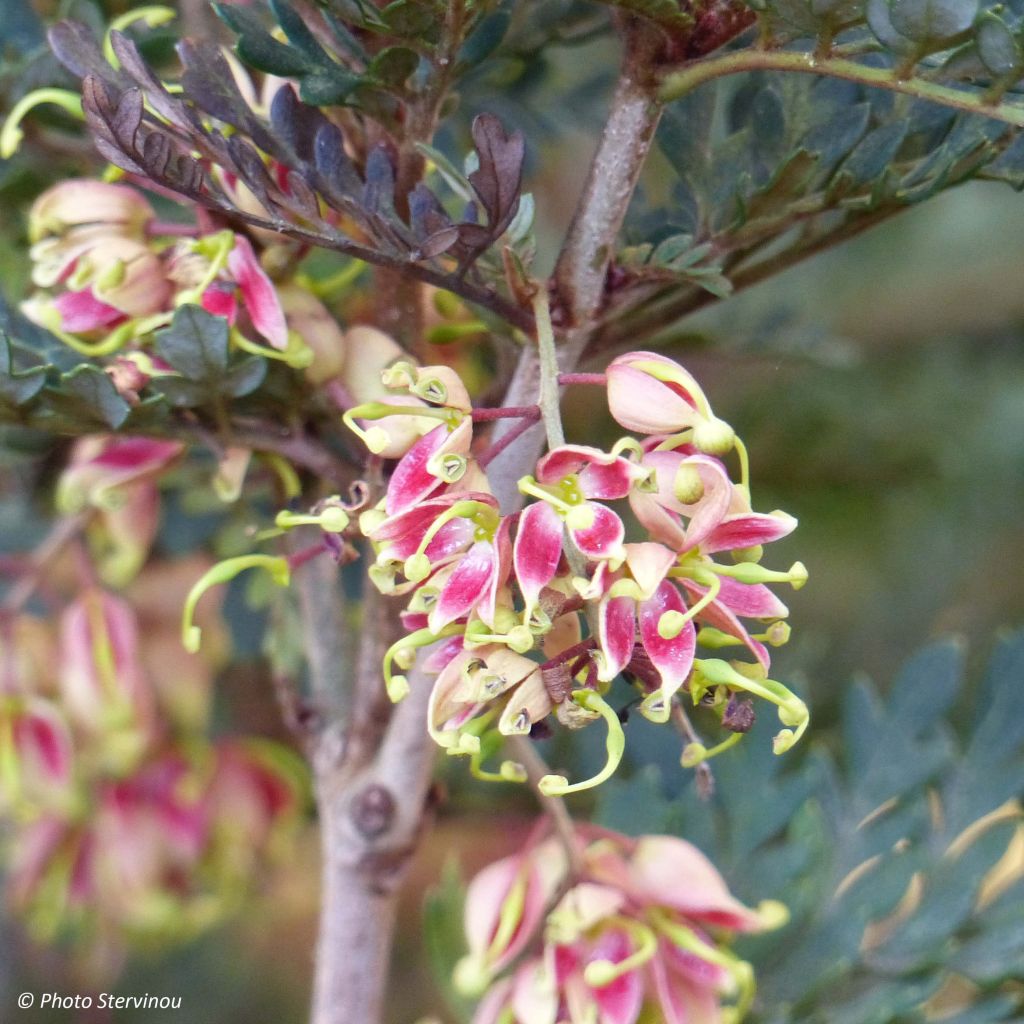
point(881, 390)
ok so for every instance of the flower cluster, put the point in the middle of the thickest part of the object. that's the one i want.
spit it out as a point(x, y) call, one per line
point(109, 275)
point(534, 614)
point(127, 821)
point(633, 929)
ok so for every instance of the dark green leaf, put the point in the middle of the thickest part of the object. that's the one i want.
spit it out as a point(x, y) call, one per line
point(244, 377)
point(195, 344)
point(485, 38)
point(998, 47)
point(89, 395)
point(256, 46)
point(414, 18)
point(664, 12)
point(392, 66)
point(932, 21)
point(17, 386)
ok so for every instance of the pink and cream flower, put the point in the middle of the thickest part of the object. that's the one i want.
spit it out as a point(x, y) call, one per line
point(641, 934)
point(567, 480)
point(651, 394)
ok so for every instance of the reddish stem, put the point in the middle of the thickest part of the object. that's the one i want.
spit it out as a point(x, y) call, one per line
point(570, 652)
point(307, 555)
point(516, 432)
point(598, 379)
point(158, 228)
point(506, 412)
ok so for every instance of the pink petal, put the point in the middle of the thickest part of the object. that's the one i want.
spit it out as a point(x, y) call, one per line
point(648, 563)
point(502, 567)
point(485, 898)
point(718, 615)
point(81, 312)
point(662, 525)
point(538, 549)
point(704, 515)
point(696, 969)
point(93, 696)
point(466, 586)
point(410, 525)
point(132, 456)
point(568, 459)
point(603, 538)
point(672, 658)
point(220, 302)
point(751, 600)
point(43, 743)
point(637, 401)
point(441, 655)
point(411, 482)
point(258, 293)
point(535, 997)
point(674, 873)
point(565, 961)
point(601, 475)
point(680, 1001)
point(616, 634)
point(620, 1001)
point(748, 530)
point(492, 1007)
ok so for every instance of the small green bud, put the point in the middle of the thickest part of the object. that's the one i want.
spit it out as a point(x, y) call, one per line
point(520, 639)
point(398, 688)
point(773, 914)
point(580, 517)
point(777, 634)
point(693, 754)
point(713, 436)
point(334, 519)
point(417, 567)
point(671, 624)
point(405, 658)
point(687, 485)
point(751, 554)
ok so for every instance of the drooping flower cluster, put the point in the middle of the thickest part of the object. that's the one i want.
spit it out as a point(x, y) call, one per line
point(126, 820)
point(109, 275)
point(536, 613)
point(633, 929)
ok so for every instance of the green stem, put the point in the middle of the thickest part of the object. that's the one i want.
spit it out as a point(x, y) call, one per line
point(548, 400)
point(679, 83)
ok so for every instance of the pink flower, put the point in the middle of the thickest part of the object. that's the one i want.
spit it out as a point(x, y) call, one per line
point(245, 285)
point(473, 681)
point(631, 632)
point(105, 280)
point(505, 906)
point(116, 476)
point(83, 203)
point(256, 789)
point(100, 465)
point(436, 460)
point(638, 935)
point(651, 394)
point(36, 753)
point(101, 678)
point(567, 479)
point(472, 584)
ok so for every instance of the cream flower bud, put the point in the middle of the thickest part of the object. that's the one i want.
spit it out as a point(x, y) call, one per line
point(307, 316)
point(83, 202)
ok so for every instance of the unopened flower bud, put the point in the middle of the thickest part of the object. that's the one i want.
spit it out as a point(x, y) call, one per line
point(713, 436)
point(417, 567)
point(687, 485)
